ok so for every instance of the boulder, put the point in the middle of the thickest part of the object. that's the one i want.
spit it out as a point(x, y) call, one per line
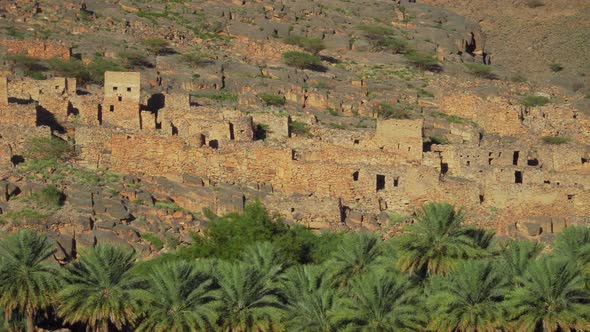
point(8, 190)
point(109, 224)
point(117, 210)
point(85, 240)
point(355, 217)
point(65, 247)
point(126, 232)
point(109, 237)
point(144, 198)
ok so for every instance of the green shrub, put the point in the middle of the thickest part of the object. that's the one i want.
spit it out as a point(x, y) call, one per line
point(99, 66)
point(299, 128)
point(333, 112)
point(455, 119)
point(389, 111)
point(172, 242)
point(423, 61)
point(195, 59)
point(13, 32)
point(49, 197)
point(451, 118)
point(270, 99)
point(226, 238)
point(155, 241)
point(47, 148)
point(311, 45)
point(383, 39)
point(423, 93)
point(221, 96)
point(397, 218)
point(555, 140)
point(437, 139)
point(31, 67)
point(91, 73)
point(134, 59)
point(85, 16)
point(480, 70)
point(534, 3)
point(556, 67)
point(534, 101)
point(93, 177)
point(171, 206)
point(70, 68)
point(518, 78)
point(155, 45)
point(302, 60)
point(45, 34)
point(23, 215)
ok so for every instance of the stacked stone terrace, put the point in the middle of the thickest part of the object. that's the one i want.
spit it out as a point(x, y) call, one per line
point(330, 179)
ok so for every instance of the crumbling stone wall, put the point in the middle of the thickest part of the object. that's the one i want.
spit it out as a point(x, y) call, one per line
point(3, 91)
point(93, 145)
point(84, 110)
point(208, 126)
point(37, 48)
point(274, 126)
point(497, 115)
point(401, 135)
point(325, 179)
point(19, 114)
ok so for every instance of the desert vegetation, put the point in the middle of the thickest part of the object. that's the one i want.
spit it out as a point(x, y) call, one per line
point(252, 272)
point(534, 101)
point(302, 60)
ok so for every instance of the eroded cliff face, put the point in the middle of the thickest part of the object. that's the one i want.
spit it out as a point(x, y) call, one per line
point(528, 35)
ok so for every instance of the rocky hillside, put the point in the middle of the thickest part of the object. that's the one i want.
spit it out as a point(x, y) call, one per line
point(131, 122)
point(527, 36)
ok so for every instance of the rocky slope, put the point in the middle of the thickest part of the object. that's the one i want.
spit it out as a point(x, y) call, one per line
point(528, 36)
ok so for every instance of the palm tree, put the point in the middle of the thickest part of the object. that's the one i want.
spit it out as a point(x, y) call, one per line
point(515, 257)
point(358, 253)
point(101, 288)
point(437, 242)
point(312, 302)
point(264, 257)
point(249, 302)
point(382, 301)
point(28, 281)
point(181, 298)
point(552, 297)
point(574, 243)
point(469, 299)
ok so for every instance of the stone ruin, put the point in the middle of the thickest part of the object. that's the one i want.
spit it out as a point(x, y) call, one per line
point(330, 179)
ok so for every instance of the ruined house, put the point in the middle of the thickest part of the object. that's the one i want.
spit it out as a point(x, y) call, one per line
point(332, 178)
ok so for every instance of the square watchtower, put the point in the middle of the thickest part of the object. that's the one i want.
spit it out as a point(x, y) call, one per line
point(120, 106)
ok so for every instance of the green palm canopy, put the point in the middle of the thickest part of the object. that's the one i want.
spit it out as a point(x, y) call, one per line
point(469, 299)
point(249, 300)
point(101, 289)
point(27, 281)
point(552, 297)
point(312, 300)
point(383, 301)
point(437, 242)
point(181, 298)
